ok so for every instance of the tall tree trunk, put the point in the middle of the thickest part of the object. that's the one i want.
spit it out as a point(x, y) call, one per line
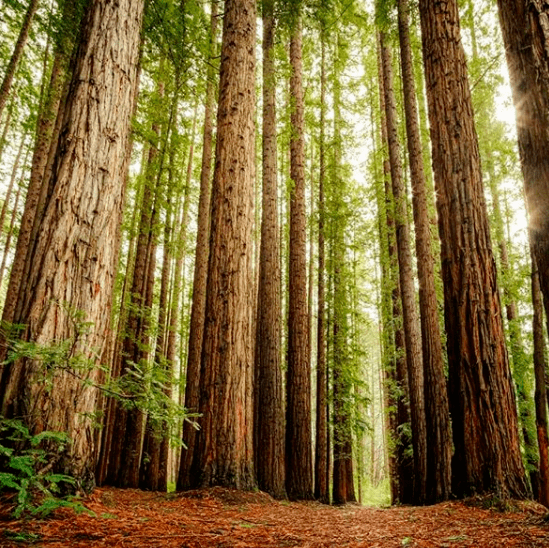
point(526, 38)
point(540, 365)
point(395, 341)
point(269, 417)
point(412, 332)
point(75, 254)
point(482, 401)
point(198, 310)
point(299, 465)
point(439, 448)
point(17, 52)
point(224, 445)
point(321, 446)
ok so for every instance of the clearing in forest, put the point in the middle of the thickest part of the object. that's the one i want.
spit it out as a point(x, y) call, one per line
point(224, 518)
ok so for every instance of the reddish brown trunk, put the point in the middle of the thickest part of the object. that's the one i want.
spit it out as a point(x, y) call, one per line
point(412, 332)
point(404, 462)
point(269, 417)
point(526, 37)
point(299, 465)
point(439, 436)
point(482, 402)
point(224, 445)
point(540, 366)
point(321, 447)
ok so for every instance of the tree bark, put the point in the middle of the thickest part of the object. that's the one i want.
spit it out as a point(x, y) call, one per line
point(439, 435)
point(540, 395)
point(321, 446)
point(224, 446)
point(412, 332)
point(394, 336)
point(269, 417)
point(73, 265)
point(482, 401)
point(299, 465)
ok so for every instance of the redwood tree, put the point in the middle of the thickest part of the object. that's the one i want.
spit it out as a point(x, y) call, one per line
point(223, 454)
point(299, 465)
point(412, 332)
point(322, 491)
point(482, 401)
point(73, 260)
point(269, 415)
point(439, 436)
point(526, 38)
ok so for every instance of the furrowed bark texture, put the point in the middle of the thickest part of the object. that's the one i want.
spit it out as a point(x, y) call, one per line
point(540, 395)
point(398, 367)
point(73, 260)
point(437, 413)
point(269, 418)
point(412, 332)
point(224, 452)
point(482, 402)
point(299, 464)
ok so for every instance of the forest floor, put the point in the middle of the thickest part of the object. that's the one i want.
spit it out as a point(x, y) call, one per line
point(224, 518)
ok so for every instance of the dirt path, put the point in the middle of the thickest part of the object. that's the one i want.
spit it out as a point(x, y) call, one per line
point(223, 518)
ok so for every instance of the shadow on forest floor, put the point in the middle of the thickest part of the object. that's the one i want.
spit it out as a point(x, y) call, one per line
point(224, 518)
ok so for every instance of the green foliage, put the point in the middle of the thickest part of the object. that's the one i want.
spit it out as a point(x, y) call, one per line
point(26, 469)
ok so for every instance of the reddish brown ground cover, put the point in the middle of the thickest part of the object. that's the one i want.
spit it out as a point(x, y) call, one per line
point(224, 518)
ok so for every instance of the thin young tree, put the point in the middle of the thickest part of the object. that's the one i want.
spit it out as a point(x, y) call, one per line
point(343, 480)
point(482, 401)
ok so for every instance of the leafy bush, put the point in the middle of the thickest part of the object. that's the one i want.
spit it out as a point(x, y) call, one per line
point(26, 469)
